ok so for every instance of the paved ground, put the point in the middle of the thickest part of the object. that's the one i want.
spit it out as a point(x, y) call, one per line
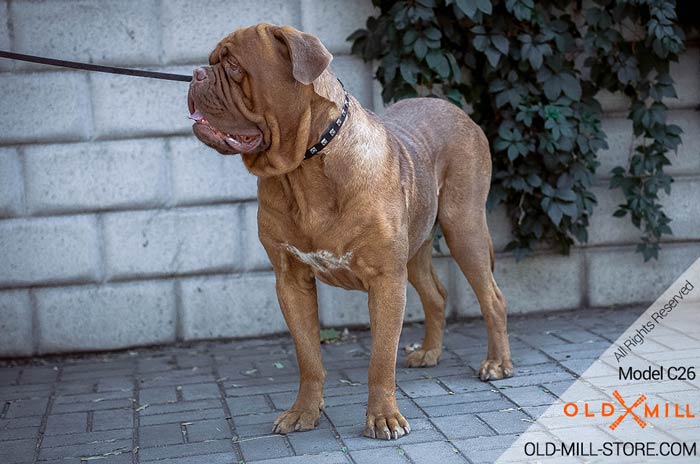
point(214, 403)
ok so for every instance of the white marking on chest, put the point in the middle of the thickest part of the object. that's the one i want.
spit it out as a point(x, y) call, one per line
point(322, 260)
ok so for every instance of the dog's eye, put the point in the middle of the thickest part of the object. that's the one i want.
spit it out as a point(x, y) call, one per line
point(233, 70)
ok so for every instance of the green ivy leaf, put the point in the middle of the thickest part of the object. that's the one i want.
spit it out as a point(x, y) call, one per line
point(468, 7)
point(438, 63)
point(501, 43)
point(420, 48)
point(485, 6)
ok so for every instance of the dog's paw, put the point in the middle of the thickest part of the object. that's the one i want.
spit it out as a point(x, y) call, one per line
point(423, 358)
point(494, 369)
point(387, 426)
point(296, 420)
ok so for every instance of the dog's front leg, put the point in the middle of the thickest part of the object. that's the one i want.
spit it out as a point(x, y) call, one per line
point(296, 291)
point(387, 299)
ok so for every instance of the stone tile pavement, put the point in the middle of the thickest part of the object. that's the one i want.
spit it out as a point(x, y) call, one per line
point(214, 402)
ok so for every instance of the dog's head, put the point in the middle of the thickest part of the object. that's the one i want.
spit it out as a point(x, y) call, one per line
point(256, 98)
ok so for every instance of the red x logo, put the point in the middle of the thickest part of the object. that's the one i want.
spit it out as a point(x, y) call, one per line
point(628, 410)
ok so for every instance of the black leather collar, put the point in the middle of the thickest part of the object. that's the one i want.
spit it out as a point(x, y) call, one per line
point(332, 130)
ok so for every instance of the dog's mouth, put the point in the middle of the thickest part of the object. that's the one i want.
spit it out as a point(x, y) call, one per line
point(245, 141)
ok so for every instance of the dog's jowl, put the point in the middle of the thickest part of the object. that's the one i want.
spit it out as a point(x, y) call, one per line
point(352, 200)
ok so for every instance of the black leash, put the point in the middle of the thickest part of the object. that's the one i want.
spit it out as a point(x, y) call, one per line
point(95, 67)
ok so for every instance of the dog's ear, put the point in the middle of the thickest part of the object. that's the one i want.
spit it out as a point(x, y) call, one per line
point(308, 55)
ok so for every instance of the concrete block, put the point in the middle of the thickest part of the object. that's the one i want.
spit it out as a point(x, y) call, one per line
point(685, 75)
point(121, 32)
point(230, 306)
point(538, 283)
point(333, 21)
point(166, 242)
point(254, 254)
point(356, 76)
point(619, 136)
point(105, 317)
point(201, 175)
point(499, 226)
point(11, 184)
point(5, 65)
point(619, 276)
point(191, 30)
point(683, 208)
point(338, 307)
point(96, 175)
point(687, 160)
point(621, 144)
point(606, 229)
point(47, 106)
point(49, 250)
point(126, 107)
point(15, 323)
point(613, 102)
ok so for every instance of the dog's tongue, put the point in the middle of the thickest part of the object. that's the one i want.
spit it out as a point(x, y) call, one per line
point(196, 116)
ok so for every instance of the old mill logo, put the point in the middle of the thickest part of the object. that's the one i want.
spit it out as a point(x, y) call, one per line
point(638, 411)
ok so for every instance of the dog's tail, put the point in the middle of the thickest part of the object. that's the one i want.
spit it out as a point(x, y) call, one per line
point(493, 258)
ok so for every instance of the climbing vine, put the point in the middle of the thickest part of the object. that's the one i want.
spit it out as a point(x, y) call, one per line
point(530, 74)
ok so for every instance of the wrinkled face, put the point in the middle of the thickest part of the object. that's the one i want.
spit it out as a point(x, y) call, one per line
point(251, 97)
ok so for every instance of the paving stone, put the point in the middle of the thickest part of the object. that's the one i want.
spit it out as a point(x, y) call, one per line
point(217, 458)
point(208, 430)
point(420, 388)
point(323, 458)
point(86, 450)
point(444, 453)
point(157, 395)
point(86, 437)
point(529, 396)
point(268, 447)
point(17, 451)
point(248, 405)
point(58, 424)
point(506, 421)
point(314, 441)
point(185, 449)
point(200, 391)
point(27, 407)
point(384, 455)
point(462, 426)
point(112, 419)
point(160, 435)
point(7, 434)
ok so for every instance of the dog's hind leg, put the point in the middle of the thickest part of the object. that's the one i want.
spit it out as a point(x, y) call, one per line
point(433, 295)
point(462, 217)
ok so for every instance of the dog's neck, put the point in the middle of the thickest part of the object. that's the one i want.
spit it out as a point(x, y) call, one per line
point(323, 184)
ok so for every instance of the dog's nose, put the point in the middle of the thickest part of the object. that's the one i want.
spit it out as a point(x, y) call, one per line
point(200, 74)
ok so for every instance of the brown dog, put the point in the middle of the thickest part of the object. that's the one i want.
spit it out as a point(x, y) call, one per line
point(359, 214)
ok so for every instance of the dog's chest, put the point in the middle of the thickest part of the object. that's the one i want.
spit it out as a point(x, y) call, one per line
point(332, 268)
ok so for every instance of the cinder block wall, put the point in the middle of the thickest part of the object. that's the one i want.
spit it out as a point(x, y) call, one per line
point(117, 228)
